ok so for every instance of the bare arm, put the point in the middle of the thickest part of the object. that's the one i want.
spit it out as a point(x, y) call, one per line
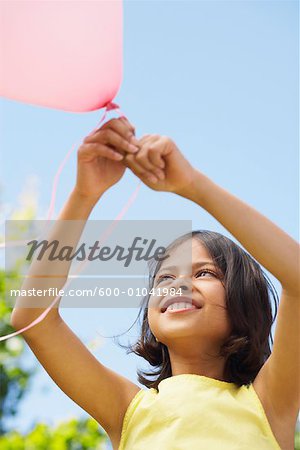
point(71, 221)
point(279, 254)
point(101, 392)
point(268, 244)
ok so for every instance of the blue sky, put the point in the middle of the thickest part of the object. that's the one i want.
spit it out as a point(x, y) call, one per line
point(221, 79)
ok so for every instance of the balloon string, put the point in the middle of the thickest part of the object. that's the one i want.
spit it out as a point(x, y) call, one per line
point(109, 107)
point(56, 180)
point(44, 313)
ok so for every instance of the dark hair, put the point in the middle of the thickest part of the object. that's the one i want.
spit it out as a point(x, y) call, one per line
point(248, 293)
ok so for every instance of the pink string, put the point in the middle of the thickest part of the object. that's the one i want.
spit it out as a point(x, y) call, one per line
point(109, 107)
point(44, 313)
point(56, 180)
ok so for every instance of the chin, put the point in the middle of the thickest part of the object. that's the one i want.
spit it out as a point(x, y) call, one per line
point(178, 330)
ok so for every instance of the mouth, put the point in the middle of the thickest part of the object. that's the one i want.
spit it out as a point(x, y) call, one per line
point(179, 304)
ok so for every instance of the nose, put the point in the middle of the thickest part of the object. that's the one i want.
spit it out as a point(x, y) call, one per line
point(185, 285)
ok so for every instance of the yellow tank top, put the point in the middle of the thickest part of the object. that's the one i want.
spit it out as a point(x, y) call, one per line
point(193, 412)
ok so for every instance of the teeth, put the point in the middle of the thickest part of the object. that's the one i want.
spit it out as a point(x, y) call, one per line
point(180, 305)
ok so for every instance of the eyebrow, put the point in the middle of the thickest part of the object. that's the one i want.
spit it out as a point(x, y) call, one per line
point(195, 265)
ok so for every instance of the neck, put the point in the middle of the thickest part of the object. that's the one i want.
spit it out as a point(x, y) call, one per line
point(205, 362)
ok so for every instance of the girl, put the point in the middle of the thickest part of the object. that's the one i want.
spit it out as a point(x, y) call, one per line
point(216, 384)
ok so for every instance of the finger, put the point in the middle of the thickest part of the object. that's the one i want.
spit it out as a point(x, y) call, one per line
point(121, 127)
point(148, 138)
point(131, 135)
point(130, 161)
point(109, 137)
point(111, 124)
point(129, 124)
point(142, 158)
point(118, 126)
point(155, 158)
point(125, 129)
point(89, 151)
point(166, 144)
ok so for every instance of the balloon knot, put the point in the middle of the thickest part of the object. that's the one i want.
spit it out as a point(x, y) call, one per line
point(111, 106)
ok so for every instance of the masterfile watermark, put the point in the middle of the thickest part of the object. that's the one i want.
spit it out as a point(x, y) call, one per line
point(145, 251)
point(103, 263)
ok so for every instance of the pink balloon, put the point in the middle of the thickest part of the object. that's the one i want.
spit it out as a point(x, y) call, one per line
point(61, 54)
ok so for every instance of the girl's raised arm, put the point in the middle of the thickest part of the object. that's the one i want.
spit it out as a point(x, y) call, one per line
point(102, 393)
point(278, 380)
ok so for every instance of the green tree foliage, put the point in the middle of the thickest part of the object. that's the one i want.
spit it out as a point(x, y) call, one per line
point(14, 383)
point(13, 379)
point(71, 435)
point(74, 434)
point(297, 440)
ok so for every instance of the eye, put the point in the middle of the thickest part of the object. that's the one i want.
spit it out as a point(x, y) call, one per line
point(198, 274)
point(164, 278)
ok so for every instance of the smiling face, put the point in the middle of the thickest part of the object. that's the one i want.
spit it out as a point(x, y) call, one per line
point(200, 313)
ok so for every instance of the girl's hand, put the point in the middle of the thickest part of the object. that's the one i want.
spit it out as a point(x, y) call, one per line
point(99, 161)
point(161, 166)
